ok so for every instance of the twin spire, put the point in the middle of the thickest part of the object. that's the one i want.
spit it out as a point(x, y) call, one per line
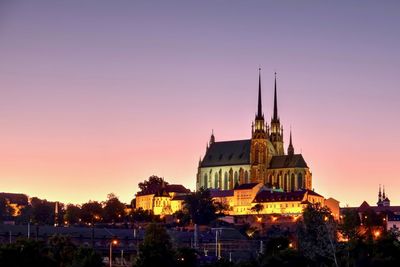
point(275, 117)
point(276, 129)
point(290, 149)
point(259, 110)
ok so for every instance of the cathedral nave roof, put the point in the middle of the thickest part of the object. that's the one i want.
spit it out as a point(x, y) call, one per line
point(227, 153)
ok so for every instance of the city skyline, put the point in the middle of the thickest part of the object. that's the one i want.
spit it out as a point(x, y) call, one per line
point(95, 98)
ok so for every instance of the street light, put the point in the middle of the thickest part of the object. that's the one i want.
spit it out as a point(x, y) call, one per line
point(377, 233)
point(113, 242)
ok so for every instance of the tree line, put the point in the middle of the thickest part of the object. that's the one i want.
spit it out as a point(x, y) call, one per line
point(319, 241)
point(41, 211)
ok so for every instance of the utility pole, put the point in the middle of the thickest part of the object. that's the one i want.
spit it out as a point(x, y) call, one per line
point(217, 242)
point(29, 229)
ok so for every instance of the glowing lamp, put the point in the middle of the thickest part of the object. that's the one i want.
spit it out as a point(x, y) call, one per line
point(377, 233)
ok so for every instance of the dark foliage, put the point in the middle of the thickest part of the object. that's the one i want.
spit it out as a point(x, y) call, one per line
point(199, 205)
point(156, 249)
point(152, 185)
point(58, 252)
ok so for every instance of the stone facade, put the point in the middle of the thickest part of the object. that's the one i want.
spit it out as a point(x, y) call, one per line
point(260, 159)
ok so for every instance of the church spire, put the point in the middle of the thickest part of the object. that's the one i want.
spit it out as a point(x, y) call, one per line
point(275, 117)
point(380, 194)
point(383, 195)
point(276, 134)
point(259, 121)
point(290, 148)
point(212, 138)
point(259, 110)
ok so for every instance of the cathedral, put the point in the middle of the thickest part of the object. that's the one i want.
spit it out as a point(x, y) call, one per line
point(260, 159)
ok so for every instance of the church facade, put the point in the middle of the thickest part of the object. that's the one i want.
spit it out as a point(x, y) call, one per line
point(260, 159)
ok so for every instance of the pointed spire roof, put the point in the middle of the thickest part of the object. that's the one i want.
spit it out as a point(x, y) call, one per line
point(212, 138)
point(290, 148)
point(275, 116)
point(259, 110)
point(383, 195)
point(380, 192)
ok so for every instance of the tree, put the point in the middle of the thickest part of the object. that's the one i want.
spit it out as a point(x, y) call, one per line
point(152, 185)
point(186, 257)
point(25, 252)
point(5, 209)
point(317, 235)
point(156, 249)
point(199, 205)
point(91, 212)
point(87, 257)
point(349, 226)
point(58, 252)
point(182, 218)
point(141, 215)
point(257, 208)
point(25, 215)
point(279, 249)
point(114, 210)
point(61, 250)
point(72, 214)
point(43, 212)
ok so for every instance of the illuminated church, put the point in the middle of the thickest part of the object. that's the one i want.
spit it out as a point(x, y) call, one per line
point(260, 159)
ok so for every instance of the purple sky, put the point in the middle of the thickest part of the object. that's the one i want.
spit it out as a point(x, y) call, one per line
point(95, 96)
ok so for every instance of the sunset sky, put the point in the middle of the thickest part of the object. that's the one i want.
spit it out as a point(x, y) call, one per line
point(96, 96)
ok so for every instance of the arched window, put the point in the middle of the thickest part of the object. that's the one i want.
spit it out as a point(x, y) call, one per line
point(279, 182)
point(205, 180)
point(292, 182)
point(285, 182)
point(236, 177)
point(226, 181)
point(300, 180)
point(246, 177)
point(270, 180)
point(216, 180)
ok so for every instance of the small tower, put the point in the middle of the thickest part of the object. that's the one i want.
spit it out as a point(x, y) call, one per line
point(383, 195)
point(258, 149)
point(212, 138)
point(290, 149)
point(385, 199)
point(379, 203)
point(276, 134)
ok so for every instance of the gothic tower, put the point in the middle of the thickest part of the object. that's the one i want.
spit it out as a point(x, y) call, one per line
point(276, 135)
point(258, 149)
point(290, 150)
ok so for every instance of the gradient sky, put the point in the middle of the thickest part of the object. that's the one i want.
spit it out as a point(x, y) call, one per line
point(96, 96)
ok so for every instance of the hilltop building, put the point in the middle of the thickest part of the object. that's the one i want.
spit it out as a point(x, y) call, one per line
point(260, 159)
point(383, 200)
point(165, 201)
point(251, 176)
point(256, 198)
point(16, 201)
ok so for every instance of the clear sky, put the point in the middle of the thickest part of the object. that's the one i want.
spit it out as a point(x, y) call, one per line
point(96, 96)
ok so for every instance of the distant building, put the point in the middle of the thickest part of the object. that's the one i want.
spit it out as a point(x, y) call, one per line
point(16, 201)
point(388, 214)
point(383, 200)
point(165, 201)
point(333, 205)
point(261, 159)
point(243, 200)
